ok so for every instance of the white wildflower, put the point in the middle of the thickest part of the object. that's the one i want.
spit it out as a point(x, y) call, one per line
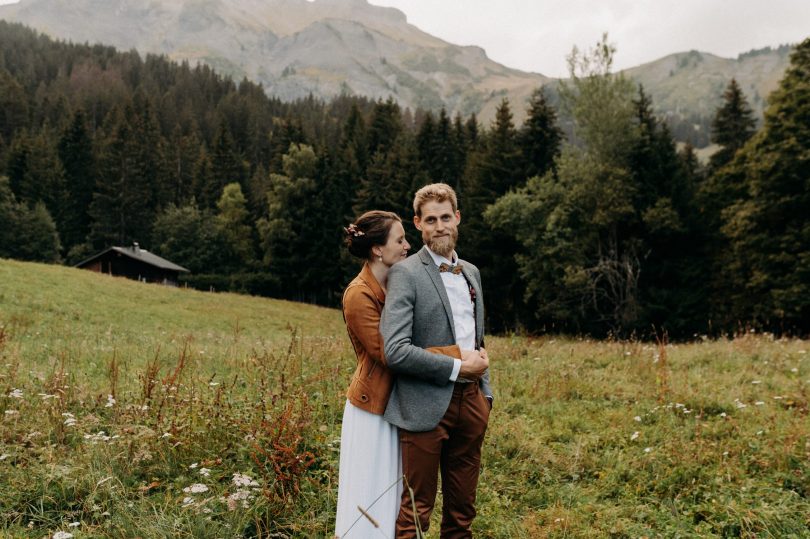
point(166, 435)
point(11, 412)
point(794, 370)
point(759, 403)
point(647, 449)
point(637, 419)
point(196, 488)
point(4, 456)
point(205, 472)
point(110, 401)
point(192, 465)
point(62, 535)
point(760, 432)
point(755, 382)
point(213, 384)
point(188, 500)
point(635, 435)
point(241, 480)
point(725, 453)
point(16, 393)
point(69, 422)
point(74, 524)
point(722, 414)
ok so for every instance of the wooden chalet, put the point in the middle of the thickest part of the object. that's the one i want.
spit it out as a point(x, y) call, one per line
point(134, 263)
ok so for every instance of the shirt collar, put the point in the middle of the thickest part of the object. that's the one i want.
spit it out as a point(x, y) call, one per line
point(438, 259)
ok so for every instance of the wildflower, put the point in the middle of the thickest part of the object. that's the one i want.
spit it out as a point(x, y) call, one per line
point(192, 465)
point(647, 449)
point(62, 535)
point(725, 453)
point(188, 500)
point(759, 403)
point(637, 419)
point(213, 384)
point(205, 472)
point(110, 401)
point(144, 408)
point(69, 422)
point(16, 394)
point(196, 488)
point(755, 382)
point(794, 370)
point(11, 412)
point(635, 436)
point(4, 456)
point(760, 432)
point(74, 524)
point(241, 480)
point(165, 435)
point(722, 414)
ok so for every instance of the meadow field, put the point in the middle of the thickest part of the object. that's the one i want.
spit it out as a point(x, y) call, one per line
point(134, 410)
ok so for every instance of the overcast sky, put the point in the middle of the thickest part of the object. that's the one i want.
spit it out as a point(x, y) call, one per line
point(537, 35)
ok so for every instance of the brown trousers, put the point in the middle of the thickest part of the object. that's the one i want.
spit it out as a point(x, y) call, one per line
point(454, 447)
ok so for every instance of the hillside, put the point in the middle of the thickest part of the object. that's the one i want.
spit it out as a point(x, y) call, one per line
point(43, 306)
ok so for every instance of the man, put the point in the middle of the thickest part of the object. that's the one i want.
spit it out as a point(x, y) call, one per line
point(440, 404)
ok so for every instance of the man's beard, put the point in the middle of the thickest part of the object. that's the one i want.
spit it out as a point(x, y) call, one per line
point(443, 246)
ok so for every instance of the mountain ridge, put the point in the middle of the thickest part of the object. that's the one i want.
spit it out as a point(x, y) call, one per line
point(328, 47)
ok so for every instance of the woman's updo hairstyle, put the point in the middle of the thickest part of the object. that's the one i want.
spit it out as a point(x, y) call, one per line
point(368, 230)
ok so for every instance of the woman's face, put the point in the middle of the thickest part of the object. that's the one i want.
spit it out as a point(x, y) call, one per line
point(396, 248)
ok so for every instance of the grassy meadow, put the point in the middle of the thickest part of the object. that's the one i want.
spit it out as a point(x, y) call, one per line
point(134, 410)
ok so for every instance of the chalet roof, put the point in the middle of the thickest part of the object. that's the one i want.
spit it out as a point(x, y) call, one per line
point(136, 253)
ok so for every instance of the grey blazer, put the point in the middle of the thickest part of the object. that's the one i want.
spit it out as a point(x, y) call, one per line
point(416, 316)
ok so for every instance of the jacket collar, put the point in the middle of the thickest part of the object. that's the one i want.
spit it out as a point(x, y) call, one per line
point(368, 277)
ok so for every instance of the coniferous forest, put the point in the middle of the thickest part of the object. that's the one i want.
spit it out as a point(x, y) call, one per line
point(613, 230)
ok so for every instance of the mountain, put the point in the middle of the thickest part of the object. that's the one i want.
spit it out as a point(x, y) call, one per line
point(294, 47)
point(329, 47)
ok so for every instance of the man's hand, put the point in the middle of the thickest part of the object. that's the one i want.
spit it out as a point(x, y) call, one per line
point(473, 363)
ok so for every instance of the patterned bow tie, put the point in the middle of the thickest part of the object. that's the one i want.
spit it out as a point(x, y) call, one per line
point(455, 270)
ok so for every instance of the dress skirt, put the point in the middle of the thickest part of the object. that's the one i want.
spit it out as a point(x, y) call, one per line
point(370, 468)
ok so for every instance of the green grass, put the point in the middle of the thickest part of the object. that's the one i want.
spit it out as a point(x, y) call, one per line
point(587, 438)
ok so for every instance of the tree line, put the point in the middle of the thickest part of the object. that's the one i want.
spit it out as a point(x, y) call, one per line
point(611, 230)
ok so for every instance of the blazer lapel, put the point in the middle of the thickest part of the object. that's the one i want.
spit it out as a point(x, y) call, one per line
point(479, 304)
point(433, 272)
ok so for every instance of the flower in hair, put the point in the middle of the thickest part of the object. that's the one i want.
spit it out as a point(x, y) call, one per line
point(354, 231)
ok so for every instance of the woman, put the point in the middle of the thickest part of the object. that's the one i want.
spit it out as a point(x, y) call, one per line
point(370, 465)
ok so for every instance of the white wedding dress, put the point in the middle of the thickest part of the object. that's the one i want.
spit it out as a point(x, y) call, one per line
point(370, 475)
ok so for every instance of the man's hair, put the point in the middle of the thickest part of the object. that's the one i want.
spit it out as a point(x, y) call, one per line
point(436, 192)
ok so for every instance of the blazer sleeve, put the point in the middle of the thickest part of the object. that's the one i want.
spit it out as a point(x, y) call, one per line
point(362, 314)
point(396, 327)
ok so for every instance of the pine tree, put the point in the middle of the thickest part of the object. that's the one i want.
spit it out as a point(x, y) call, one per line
point(732, 126)
point(540, 136)
point(494, 172)
point(78, 160)
point(767, 272)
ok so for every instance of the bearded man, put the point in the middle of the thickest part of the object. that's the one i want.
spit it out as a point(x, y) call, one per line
point(440, 404)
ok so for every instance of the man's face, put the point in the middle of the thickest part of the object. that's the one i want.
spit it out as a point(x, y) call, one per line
point(439, 226)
